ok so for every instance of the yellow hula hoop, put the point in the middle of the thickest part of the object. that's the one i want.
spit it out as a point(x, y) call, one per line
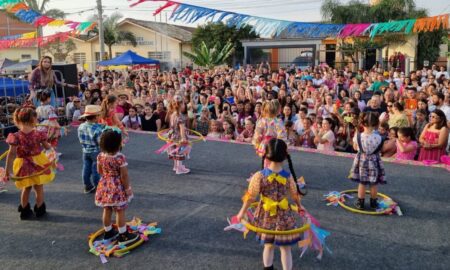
point(162, 138)
point(4, 155)
point(118, 252)
point(255, 229)
point(19, 178)
point(354, 210)
point(271, 232)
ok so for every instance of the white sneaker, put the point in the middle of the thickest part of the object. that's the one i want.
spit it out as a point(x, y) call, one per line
point(182, 170)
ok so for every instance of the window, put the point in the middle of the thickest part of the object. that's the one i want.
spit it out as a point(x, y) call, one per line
point(159, 55)
point(26, 56)
point(79, 58)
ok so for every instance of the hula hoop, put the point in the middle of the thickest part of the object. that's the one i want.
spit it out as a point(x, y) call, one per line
point(115, 252)
point(162, 138)
point(4, 155)
point(19, 178)
point(255, 229)
point(354, 210)
point(272, 232)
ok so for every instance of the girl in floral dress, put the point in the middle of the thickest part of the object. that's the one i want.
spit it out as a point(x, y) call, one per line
point(268, 127)
point(113, 190)
point(274, 186)
point(178, 136)
point(367, 169)
point(27, 160)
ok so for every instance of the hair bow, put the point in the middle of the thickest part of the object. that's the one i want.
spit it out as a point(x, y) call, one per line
point(271, 205)
point(280, 179)
point(115, 129)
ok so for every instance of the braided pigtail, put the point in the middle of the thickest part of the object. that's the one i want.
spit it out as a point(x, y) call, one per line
point(291, 168)
point(262, 163)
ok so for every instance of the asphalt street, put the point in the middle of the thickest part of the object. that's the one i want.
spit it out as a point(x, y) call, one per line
point(192, 209)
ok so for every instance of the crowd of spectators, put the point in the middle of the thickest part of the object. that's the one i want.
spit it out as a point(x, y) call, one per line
point(320, 106)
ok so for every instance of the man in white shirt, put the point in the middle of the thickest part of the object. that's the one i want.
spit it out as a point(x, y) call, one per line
point(298, 125)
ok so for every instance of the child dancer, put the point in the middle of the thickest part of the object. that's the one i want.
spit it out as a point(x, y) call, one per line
point(30, 161)
point(367, 167)
point(114, 190)
point(108, 115)
point(274, 185)
point(89, 135)
point(46, 115)
point(268, 127)
point(178, 135)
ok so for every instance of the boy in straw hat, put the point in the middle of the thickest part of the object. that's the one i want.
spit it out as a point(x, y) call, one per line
point(89, 135)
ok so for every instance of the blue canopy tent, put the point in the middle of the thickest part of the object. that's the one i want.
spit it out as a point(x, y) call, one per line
point(129, 58)
point(13, 87)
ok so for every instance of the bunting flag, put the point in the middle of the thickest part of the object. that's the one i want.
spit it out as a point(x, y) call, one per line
point(20, 36)
point(271, 27)
point(27, 15)
point(33, 41)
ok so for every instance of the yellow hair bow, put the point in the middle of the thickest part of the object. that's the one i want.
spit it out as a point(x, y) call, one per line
point(271, 205)
point(280, 179)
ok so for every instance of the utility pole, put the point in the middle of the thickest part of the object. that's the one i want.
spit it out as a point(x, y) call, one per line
point(101, 39)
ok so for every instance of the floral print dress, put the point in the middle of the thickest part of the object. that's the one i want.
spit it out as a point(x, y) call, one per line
point(274, 211)
point(110, 191)
point(367, 166)
point(266, 129)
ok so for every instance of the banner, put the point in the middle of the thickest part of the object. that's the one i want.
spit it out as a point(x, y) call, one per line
point(271, 27)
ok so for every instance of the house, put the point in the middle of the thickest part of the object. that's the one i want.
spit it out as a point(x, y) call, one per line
point(9, 27)
point(160, 41)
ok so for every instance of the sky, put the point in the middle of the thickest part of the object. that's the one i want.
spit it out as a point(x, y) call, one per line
point(292, 10)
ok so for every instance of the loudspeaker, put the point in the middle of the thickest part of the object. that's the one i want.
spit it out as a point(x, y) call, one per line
point(70, 75)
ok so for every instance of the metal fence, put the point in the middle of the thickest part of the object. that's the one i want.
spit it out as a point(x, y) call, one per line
point(14, 92)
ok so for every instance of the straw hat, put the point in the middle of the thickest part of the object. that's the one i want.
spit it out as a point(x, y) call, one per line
point(91, 110)
point(138, 102)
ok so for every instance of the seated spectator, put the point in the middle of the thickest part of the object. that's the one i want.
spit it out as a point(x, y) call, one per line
point(306, 139)
point(324, 139)
point(398, 119)
point(215, 130)
point(434, 137)
point(389, 146)
point(406, 145)
point(202, 124)
point(229, 131)
point(292, 137)
point(132, 120)
point(420, 123)
point(247, 134)
point(150, 120)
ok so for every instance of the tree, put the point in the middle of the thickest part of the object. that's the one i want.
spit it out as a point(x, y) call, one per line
point(59, 50)
point(113, 35)
point(428, 48)
point(209, 58)
point(219, 33)
point(385, 10)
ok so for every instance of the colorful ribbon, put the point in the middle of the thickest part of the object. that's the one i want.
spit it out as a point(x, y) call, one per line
point(271, 27)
